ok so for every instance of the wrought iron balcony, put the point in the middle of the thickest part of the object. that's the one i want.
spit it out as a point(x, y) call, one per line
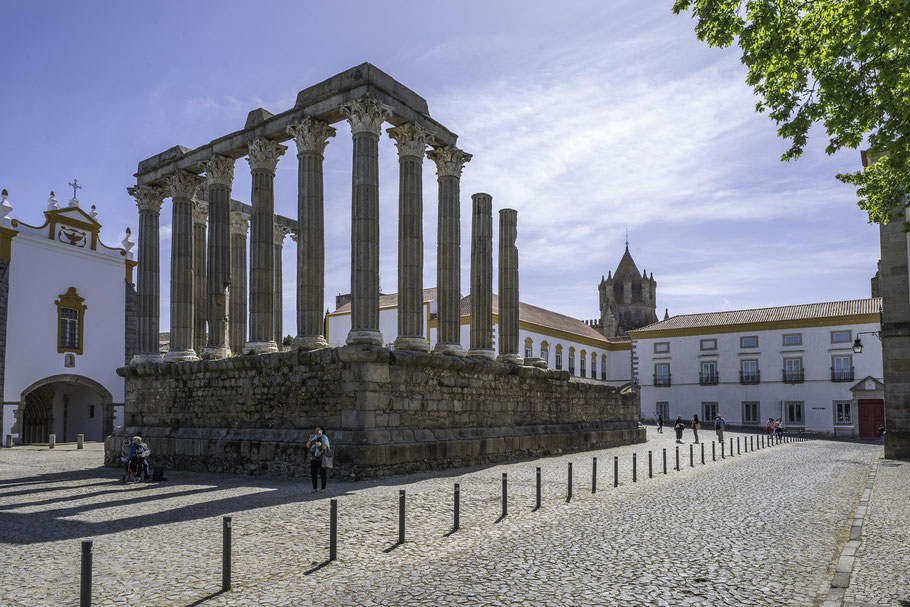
point(661, 380)
point(708, 379)
point(750, 377)
point(793, 377)
point(842, 374)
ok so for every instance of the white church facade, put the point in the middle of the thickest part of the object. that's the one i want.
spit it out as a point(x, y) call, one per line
point(65, 297)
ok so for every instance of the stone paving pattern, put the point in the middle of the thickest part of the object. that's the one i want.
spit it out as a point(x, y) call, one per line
point(762, 528)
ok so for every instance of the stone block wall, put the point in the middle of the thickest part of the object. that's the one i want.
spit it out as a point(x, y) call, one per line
point(385, 412)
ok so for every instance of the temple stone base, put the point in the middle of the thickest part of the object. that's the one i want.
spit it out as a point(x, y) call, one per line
point(386, 412)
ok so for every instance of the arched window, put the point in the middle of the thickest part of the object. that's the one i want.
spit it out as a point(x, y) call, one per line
point(70, 321)
point(559, 357)
point(593, 365)
point(583, 360)
point(529, 347)
point(603, 366)
point(571, 361)
point(545, 352)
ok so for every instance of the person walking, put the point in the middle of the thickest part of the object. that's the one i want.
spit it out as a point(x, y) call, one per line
point(881, 434)
point(660, 423)
point(696, 426)
point(719, 424)
point(679, 426)
point(318, 445)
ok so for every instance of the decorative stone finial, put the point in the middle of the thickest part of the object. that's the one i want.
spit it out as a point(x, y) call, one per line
point(366, 115)
point(52, 204)
point(264, 154)
point(219, 170)
point(311, 135)
point(183, 184)
point(127, 242)
point(200, 211)
point(93, 213)
point(410, 139)
point(5, 207)
point(148, 198)
point(449, 160)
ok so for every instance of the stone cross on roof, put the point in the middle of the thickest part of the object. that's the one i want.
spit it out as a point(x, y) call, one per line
point(75, 185)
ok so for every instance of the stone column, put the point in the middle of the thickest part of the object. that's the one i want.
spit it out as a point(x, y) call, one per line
point(200, 215)
point(411, 141)
point(263, 158)
point(219, 176)
point(148, 281)
point(311, 137)
point(183, 187)
point(508, 287)
point(365, 116)
point(449, 163)
point(482, 277)
point(240, 223)
point(280, 232)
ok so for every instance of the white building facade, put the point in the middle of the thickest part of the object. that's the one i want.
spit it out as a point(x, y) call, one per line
point(796, 363)
point(64, 300)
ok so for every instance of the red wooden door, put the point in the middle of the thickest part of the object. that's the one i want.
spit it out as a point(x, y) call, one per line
point(871, 416)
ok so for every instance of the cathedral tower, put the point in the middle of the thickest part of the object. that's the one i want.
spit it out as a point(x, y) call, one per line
point(627, 298)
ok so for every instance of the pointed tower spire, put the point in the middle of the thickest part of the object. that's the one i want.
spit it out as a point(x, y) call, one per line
point(666, 314)
point(627, 239)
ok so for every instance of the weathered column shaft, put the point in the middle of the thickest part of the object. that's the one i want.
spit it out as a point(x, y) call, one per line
point(449, 163)
point(183, 185)
point(411, 141)
point(239, 226)
point(280, 233)
point(508, 286)
point(482, 277)
point(366, 117)
point(263, 159)
point(200, 310)
point(148, 200)
point(311, 137)
point(218, 181)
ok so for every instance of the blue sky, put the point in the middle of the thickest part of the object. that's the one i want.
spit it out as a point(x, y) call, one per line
point(586, 117)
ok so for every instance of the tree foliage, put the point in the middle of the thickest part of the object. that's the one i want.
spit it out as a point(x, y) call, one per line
point(842, 63)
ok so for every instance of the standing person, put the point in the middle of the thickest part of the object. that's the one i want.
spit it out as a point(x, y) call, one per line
point(679, 426)
point(696, 426)
point(317, 445)
point(719, 424)
point(778, 431)
point(660, 423)
point(881, 434)
point(769, 427)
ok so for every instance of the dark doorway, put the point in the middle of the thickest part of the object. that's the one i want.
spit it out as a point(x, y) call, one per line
point(871, 416)
point(37, 416)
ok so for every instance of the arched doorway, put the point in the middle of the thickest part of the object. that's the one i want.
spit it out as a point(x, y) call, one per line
point(65, 405)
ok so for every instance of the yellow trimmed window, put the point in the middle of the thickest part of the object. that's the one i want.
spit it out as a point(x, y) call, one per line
point(70, 322)
point(529, 347)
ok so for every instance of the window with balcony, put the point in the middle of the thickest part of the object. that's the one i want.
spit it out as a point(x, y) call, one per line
point(793, 371)
point(750, 412)
point(708, 375)
point(842, 368)
point(662, 374)
point(748, 341)
point(748, 372)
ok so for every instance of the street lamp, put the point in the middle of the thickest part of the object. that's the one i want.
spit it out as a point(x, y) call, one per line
point(858, 345)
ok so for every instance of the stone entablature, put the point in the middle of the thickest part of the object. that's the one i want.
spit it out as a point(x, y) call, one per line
point(387, 412)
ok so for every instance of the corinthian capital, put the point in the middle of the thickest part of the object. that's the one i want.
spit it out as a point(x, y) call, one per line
point(410, 139)
point(264, 154)
point(240, 223)
point(219, 170)
point(184, 184)
point(148, 198)
point(449, 160)
point(311, 135)
point(200, 211)
point(280, 232)
point(366, 115)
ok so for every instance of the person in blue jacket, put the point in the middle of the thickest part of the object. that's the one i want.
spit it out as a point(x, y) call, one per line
point(317, 445)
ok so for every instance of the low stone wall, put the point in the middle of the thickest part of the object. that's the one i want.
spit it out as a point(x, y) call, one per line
point(385, 412)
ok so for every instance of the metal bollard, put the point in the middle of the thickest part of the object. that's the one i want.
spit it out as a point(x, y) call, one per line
point(505, 494)
point(691, 456)
point(594, 476)
point(401, 516)
point(731, 446)
point(634, 467)
point(51, 441)
point(225, 554)
point(713, 451)
point(569, 493)
point(703, 453)
point(615, 471)
point(677, 458)
point(665, 460)
point(80, 441)
point(85, 581)
point(537, 507)
point(457, 507)
point(737, 446)
point(650, 465)
point(752, 444)
point(762, 441)
point(333, 529)
point(9, 440)
point(722, 454)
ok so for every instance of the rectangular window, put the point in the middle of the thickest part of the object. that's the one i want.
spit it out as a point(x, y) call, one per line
point(571, 365)
point(69, 328)
point(748, 370)
point(528, 353)
point(663, 409)
point(662, 374)
point(750, 412)
point(748, 341)
point(708, 344)
point(708, 411)
point(708, 375)
point(843, 413)
point(841, 337)
point(559, 360)
point(794, 412)
point(841, 368)
point(584, 368)
point(661, 347)
point(793, 339)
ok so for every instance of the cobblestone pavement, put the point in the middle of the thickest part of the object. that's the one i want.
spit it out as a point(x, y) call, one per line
point(761, 528)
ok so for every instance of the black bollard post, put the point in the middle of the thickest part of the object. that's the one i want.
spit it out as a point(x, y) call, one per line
point(226, 554)
point(457, 498)
point(737, 446)
point(713, 451)
point(752, 443)
point(702, 453)
point(762, 442)
point(85, 582)
point(569, 493)
point(691, 456)
point(650, 465)
point(665, 460)
point(537, 507)
point(594, 476)
point(505, 494)
point(677, 459)
point(401, 516)
point(731, 446)
point(615, 471)
point(634, 467)
point(333, 529)
point(722, 454)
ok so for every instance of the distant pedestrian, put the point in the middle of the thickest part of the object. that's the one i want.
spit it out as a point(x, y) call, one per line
point(696, 426)
point(769, 427)
point(719, 424)
point(318, 445)
point(881, 434)
point(660, 423)
point(679, 426)
point(778, 429)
